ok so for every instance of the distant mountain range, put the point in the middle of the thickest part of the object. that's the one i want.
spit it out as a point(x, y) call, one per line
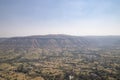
point(59, 42)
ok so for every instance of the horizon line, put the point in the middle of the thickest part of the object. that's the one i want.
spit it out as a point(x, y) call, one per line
point(59, 35)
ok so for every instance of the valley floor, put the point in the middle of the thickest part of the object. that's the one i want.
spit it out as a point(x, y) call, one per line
point(66, 65)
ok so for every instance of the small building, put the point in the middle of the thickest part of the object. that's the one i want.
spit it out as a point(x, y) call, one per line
point(71, 77)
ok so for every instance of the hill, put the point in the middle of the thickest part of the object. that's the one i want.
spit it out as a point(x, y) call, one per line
point(59, 42)
point(59, 57)
point(45, 42)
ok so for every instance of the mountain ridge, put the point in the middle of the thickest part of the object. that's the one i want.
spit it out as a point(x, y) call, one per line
point(58, 41)
point(48, 41)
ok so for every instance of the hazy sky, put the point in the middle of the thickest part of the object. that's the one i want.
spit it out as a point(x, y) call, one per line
point(74, 17)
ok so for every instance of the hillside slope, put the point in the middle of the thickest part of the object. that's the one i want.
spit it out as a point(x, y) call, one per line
point(59, 42)
point(45, 42)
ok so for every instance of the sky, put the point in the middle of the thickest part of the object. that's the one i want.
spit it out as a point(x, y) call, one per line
point(72, 17)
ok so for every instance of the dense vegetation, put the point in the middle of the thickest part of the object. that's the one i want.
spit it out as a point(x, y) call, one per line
point(56, 63)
